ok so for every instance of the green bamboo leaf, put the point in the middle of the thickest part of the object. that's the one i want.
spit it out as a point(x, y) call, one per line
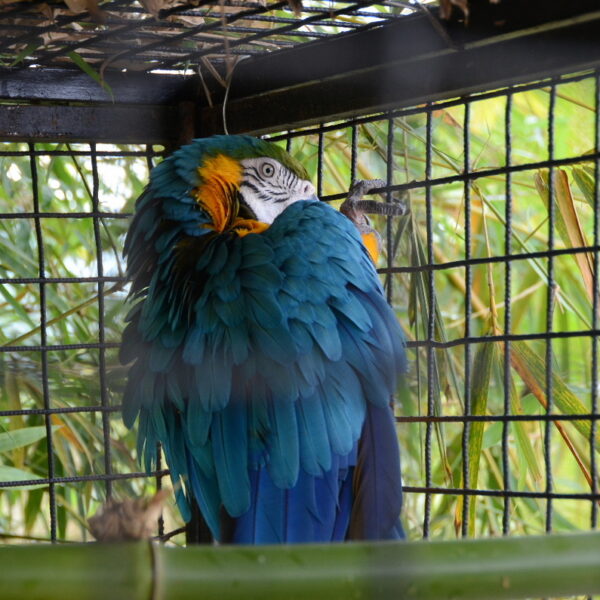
point(16, 306)
point(492, 436)
point(32, 509)
point(585, 183)
point(567, 222)
point(537, 266)
point(89, 70)
point(13, 474)
point(532, 369)
point(444, 377)
point(18, 438)
point(17, 254)
point(29, 49)
point(525, 448)
point(483, 362)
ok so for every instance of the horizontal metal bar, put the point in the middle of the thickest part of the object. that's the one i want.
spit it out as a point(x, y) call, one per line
point(488, 260)
point(69, 280)
point(480, 174)
point(59, 410)
point(510, 418)
point(81, 478)
point(117, 153)
point(495, 418)
point(64, 215)
point(513, 337)
point(60, 347)
point(416, 489)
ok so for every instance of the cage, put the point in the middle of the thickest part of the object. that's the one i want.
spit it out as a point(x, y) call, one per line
point(485, 124)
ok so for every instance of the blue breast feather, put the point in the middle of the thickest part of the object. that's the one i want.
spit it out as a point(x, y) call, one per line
point(265, 366)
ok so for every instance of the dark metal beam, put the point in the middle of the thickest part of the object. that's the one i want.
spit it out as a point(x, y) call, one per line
point(115, 124)
point(413, 60)
point(405, 39)
point(72, 85)
point(70, 105)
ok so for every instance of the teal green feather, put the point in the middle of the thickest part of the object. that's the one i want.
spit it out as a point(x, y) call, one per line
point(229, 434)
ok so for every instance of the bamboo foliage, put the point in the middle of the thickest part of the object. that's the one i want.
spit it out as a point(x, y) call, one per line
point(65, 185)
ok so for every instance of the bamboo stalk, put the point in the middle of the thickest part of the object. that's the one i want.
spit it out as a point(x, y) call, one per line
point(502, 568)
point(82, 571)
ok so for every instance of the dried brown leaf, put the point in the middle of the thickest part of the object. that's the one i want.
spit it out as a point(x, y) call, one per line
point(447, 5)
point(90, 6)
point(296, 6)
point(127, 520)
point(77, 6)
point(532, 370)
point(154, 6)
point(567, 223)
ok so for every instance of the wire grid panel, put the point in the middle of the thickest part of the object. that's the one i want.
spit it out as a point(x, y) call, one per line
point(491, 273)
point(492, 276)
point(124, 34)
point(63, 217)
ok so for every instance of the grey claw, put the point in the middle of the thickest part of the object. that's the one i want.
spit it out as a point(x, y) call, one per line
point(388, 209)
point(362, 187)
point(355, 204)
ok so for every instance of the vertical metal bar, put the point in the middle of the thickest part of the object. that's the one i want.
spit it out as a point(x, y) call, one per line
point(320, 163)
point(430, 325)
point(44, 341)
point(595, 309)
point(354, 155)
point(388, 221)
point(104, 401)
point(468, 310)
point(288, 142)
point(549, 311)
point(161, 520)
point(149, 156)
point(507, 313)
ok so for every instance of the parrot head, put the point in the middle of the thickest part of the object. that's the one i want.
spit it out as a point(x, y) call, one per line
point(239, 183)
point(216, 187)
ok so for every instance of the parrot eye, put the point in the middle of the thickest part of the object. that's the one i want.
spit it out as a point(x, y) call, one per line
point(267, 169)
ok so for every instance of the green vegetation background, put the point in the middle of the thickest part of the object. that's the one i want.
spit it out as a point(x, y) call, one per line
point(65, 185)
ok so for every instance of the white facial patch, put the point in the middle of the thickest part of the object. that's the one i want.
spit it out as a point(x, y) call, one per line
point(268, 188)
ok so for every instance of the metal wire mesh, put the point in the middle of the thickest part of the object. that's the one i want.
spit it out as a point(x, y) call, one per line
point(122, 34)
point(543, 359)
point(56, 371)
point(495, 286)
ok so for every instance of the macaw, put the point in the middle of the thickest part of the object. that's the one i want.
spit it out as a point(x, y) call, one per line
point(263, 352)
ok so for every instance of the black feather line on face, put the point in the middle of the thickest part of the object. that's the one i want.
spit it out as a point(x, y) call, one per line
point(244, 211)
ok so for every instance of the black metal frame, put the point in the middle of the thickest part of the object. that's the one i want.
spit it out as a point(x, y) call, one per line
point(239, 27)
point(410, 60)
point(317, 82)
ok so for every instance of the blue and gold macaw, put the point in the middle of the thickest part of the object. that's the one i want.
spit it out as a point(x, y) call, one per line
point(264, 354)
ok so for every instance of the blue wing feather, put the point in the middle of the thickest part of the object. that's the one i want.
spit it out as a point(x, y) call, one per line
point(229, 444)
point(377, 493)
